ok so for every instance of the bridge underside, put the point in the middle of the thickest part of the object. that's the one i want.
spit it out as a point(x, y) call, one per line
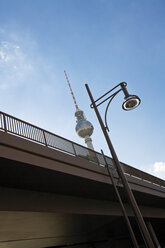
point(34, 218)
point(21, 229)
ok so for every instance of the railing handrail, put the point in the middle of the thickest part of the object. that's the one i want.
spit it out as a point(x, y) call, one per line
point(127, 169)
point(145, 175)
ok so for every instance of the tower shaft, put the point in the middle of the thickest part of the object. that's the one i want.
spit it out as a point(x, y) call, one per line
point(88, 141)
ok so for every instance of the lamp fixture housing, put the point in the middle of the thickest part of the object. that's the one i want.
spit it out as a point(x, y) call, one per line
point(131, 102)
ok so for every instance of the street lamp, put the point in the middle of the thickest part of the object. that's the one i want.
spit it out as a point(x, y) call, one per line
point(130, 102)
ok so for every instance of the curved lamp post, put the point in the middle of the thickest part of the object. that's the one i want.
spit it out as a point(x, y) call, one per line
point(130, 102)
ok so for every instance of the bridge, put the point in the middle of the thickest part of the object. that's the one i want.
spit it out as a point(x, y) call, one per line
point(56, 193)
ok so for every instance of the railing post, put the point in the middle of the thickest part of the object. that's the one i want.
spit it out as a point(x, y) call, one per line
point(4, 122)
point(45, 138)
point(98, 162)
point(74, 149)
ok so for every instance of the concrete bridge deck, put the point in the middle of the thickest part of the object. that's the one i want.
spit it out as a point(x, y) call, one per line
point(50, 198)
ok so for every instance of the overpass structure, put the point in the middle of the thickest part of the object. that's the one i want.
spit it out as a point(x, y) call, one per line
point(56, 193)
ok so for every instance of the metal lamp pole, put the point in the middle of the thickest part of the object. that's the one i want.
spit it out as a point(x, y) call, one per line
point(139, 218)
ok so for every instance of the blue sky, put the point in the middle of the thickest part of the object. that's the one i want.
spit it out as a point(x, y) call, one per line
point(99, 42)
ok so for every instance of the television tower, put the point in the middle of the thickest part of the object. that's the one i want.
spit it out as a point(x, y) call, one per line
point(83, 127)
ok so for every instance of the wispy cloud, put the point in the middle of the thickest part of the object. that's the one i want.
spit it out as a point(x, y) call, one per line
point(22, 62)
point(14, 64)
point(158, 169)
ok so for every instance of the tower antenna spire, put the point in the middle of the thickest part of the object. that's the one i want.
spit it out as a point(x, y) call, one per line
point(74, 99)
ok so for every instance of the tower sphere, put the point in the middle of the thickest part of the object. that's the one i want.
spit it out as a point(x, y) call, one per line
point(84, 128)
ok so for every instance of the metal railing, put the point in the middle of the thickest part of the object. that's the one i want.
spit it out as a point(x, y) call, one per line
point(33, 133)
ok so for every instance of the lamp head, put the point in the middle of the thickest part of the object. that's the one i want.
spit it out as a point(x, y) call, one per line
point(131, 102)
